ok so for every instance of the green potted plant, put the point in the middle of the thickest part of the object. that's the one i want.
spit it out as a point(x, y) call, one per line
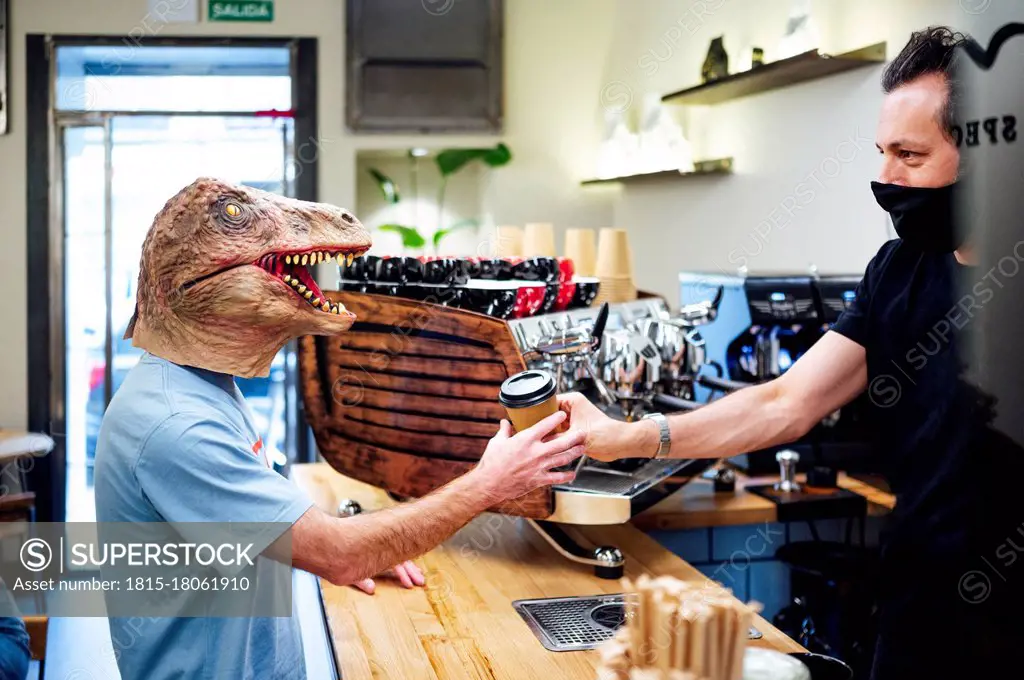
point(448, 162)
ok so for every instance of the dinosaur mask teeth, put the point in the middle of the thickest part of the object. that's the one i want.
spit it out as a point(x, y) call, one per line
point(292, 270)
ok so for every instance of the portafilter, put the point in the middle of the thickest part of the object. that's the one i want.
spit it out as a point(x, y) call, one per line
point(682, 352)
point(631, 367)
point(574, 347)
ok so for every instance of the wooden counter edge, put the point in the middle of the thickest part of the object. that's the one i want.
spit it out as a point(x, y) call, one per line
point(697, 506)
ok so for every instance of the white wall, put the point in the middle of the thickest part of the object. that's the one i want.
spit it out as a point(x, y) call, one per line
point(561, 56)
point(804, 156)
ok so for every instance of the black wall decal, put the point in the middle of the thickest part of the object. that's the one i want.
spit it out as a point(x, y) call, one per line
point(985, 58)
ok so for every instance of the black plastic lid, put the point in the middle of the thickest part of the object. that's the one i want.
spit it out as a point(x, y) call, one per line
point(525, 389)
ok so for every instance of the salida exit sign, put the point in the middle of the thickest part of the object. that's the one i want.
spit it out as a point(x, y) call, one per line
point(242, 10)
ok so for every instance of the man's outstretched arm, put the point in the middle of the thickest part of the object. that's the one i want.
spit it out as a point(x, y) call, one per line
point(347, 550)
point(829, 375)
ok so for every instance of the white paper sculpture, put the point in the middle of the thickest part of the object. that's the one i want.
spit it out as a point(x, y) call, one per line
point(662, 143)
point(801, 31)
point(619, 154)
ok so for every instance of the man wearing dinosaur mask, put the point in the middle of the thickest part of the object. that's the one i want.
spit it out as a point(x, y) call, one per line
point(223, 285)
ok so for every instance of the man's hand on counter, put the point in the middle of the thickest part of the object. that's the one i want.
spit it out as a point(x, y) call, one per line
point(407, 573)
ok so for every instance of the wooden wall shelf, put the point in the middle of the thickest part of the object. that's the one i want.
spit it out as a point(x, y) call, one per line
point(717, 166)
point(778, 74)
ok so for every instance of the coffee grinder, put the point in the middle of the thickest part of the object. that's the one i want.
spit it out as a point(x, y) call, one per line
point(785, 321)
point(843, 438)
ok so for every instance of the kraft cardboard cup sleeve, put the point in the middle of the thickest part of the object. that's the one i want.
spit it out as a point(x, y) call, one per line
point(528, 398)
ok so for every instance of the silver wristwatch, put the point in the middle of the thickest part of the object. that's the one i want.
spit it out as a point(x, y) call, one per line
point(664, 434)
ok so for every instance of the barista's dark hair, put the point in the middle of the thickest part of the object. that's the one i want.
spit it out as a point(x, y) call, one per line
point(933, 50)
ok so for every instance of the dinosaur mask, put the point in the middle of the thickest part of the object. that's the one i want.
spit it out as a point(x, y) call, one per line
point(223, 280)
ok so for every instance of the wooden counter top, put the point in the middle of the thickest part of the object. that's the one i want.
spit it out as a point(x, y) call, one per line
point(697, 506)
point(462, 624)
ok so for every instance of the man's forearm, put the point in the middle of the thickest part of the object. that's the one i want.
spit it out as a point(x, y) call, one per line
point(747, 420)
point(359, 547)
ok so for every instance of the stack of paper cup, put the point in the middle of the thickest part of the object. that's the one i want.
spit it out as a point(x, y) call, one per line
point(508, 242)
point(614, 267)
point(581, 249)
point(539, 240)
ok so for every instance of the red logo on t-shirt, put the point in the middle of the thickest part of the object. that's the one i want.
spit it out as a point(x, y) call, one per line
point(257, 447)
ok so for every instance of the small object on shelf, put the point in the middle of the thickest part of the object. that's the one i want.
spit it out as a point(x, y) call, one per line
point(756, 57)
point(801, 31)
point(725, 480)
point(716, 63)
point(662, 143)
point(778, 74)
point(620, 150)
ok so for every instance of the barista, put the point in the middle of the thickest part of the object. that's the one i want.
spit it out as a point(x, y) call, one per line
point(950, 471)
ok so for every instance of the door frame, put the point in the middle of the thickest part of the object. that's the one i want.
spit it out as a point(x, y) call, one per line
point(45, 241)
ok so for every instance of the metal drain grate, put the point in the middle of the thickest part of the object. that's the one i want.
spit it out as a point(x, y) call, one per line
point(568, 624)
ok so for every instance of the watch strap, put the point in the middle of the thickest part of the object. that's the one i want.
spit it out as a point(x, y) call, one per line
point(664, 434)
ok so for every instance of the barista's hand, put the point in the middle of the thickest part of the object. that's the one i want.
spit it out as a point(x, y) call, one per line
point(513, 465)
point(407, 573)
point(606, 438)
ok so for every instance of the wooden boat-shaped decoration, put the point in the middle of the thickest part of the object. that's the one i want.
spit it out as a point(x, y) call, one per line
point(407, 399)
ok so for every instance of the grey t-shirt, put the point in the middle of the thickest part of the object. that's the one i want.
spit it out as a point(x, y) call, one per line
point(177, 444)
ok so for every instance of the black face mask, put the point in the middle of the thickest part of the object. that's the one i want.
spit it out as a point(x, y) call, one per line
point(923, 217)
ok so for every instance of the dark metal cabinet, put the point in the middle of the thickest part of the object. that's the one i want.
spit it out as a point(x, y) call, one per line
point(424, 65)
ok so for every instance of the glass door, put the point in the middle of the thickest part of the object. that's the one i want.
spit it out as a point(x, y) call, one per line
point(130, 138)
point(86, 304)
point(111, 197)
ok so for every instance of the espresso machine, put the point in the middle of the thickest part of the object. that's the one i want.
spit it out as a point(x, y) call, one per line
point(646, 357)
point(628, 358)
point(612, 355)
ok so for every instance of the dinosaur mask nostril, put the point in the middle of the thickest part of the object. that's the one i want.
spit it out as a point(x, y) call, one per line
point(347, 218)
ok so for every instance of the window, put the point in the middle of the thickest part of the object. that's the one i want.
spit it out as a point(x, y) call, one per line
point(195, 79)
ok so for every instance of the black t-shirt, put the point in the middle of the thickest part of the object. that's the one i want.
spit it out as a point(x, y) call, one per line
point(956, 480)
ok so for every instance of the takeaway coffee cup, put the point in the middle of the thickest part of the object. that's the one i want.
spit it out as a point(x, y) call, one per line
point(528, 398)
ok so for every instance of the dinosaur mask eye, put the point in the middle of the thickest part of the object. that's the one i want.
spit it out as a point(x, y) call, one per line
point(233, 213)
